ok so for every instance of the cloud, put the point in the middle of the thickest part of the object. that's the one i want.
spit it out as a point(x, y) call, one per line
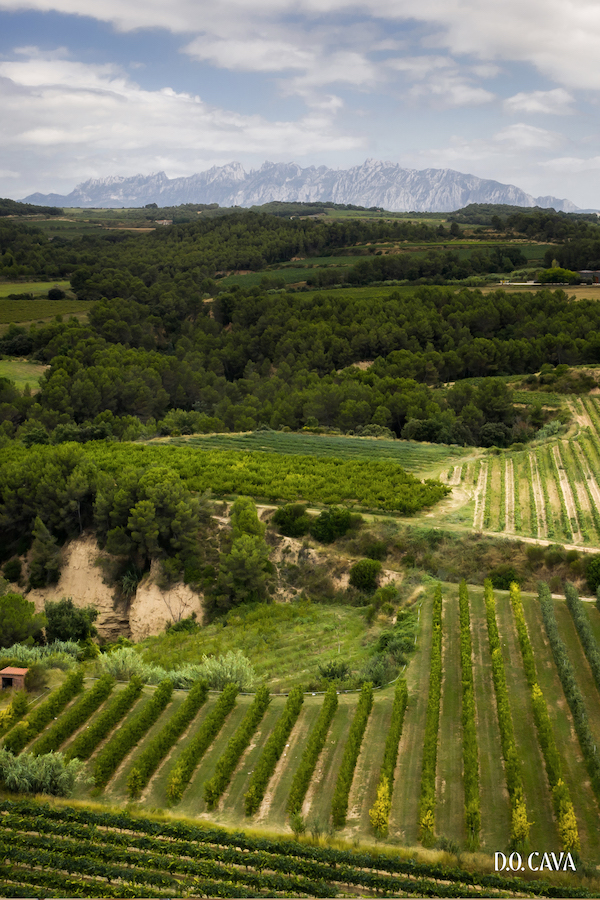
point(527, 137)
point(65, 116)
point(557, 102)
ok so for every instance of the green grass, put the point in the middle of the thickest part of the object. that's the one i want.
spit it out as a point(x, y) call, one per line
point(22, 372)
point(285, 643)
point(413, 456)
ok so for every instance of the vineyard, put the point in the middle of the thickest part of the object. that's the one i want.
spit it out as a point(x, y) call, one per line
point(488, 741)
point(550, 491)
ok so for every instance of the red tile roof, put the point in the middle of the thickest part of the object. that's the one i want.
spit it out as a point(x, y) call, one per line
point(11, 670)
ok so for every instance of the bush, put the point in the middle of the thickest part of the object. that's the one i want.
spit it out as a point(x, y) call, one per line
point(36, 678)
point(364, 575)
point(333, 523)
point(12, 570)
point(592, 573)
point(67, 622)
point(292, 519)
point(48, 774)
point(336, 670)
point(503, 576)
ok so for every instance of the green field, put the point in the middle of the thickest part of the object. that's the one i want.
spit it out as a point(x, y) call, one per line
point(23, 311)
point(415, 457)
point(31, 287)
point(22, 372)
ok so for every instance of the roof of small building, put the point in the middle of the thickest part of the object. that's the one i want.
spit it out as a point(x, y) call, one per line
point(11, 670)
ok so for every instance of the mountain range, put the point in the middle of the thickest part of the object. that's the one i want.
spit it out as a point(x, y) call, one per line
point(374, 183)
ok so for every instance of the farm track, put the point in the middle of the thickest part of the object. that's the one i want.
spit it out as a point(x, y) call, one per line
point(449, 815)
point(510, 496)
point(495, 803)
point(535, 782)
point(573, 766)
point(366, 775)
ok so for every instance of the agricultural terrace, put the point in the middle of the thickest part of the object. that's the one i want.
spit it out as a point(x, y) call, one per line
point(245, 750)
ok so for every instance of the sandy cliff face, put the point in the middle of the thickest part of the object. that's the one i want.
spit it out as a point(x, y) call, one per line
point(146, 613)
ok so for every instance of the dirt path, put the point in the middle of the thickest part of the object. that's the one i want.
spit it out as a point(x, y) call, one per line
point(455, 477)
point(538, 496)
point(580, 414)
point(480, 498)
point(509, 482)
point(568, 496)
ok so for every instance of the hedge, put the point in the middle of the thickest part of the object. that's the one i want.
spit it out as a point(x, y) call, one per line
point(41, 715)
point(427, 799)
point(159, 746)
point(86, 742)
point(127, 737)
point(215, 786)
point(273, 749)
point(312, 750)
point(180, 774)
point(339, 804)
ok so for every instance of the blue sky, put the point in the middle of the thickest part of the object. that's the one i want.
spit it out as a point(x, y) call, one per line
point(503, 89)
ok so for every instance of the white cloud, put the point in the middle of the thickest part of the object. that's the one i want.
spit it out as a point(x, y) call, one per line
point(527, 137)
point(557, 102)
point(64, 116)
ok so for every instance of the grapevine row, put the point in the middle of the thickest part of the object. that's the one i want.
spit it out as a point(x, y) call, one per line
point(543, 479)
point(379, 814)
point(469, 728)
point(561, 799)
point(341, 792)
point(182, 771)
point(566, 674)
point(272, 750)
point(584, 629)
point(70, 721)
point(564, 453)
point(514, 782)
point(312, 751)
point(37, 720)
point(427, 800)
point(575, 451)
point(120, 744)
point(215, 786)
point(85, 743)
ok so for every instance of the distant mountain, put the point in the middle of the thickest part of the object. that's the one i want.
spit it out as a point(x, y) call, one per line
point(375, 183)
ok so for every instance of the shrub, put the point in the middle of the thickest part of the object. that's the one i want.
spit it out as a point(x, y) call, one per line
point(67, 622)
point(336, 670)
point(36, 678)
point(503, 576)
point(592, 573)
point(292, 519)
point(48, 774)
point(364, 575)
point(333, 523)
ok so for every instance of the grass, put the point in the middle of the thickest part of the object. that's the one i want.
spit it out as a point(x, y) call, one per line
point(414, 457)
point(22, 372)
point(285, 643)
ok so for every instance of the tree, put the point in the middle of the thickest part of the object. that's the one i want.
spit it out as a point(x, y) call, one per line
point(67, 622)
point(364, 574)
point(44, 565)
point(18, 620)
point(244, 573)
point(244, 518)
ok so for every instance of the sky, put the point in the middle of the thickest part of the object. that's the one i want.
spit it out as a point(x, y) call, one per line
point(502, 89)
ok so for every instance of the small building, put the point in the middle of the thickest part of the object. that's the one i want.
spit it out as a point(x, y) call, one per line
point(592, 275)
point(13, 678)
point(163, 222)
